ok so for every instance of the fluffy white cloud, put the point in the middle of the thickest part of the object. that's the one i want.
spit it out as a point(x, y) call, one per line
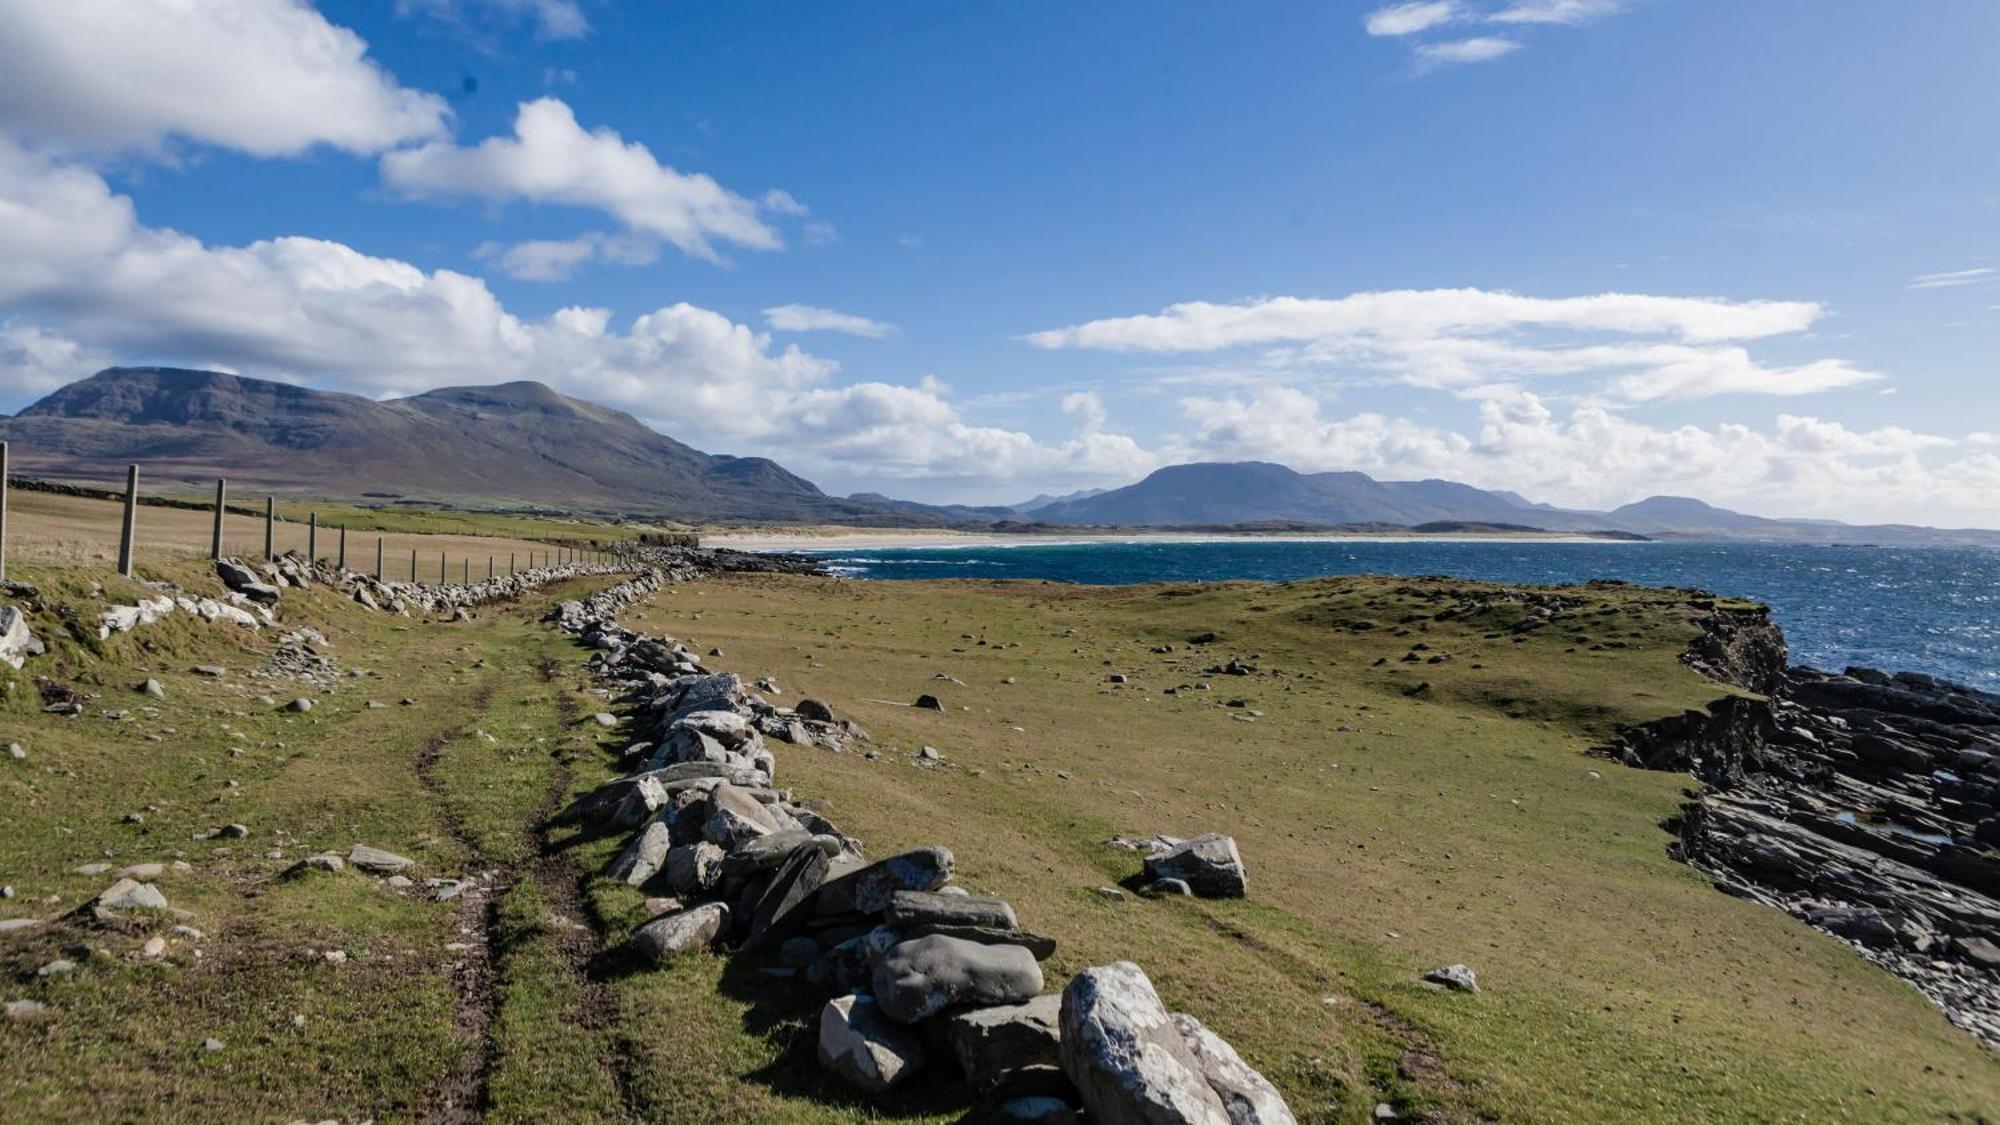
point(1408, 19)
point(1952, 279)
point(1668, 347)
point(1556, 11)
point(269, 77)
point(73, 253)
point(1597, 458)
point(812, 318)
point(1479, 48)
point(550, 158)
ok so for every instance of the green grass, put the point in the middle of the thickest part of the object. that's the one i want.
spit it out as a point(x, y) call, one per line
point(1386, 833)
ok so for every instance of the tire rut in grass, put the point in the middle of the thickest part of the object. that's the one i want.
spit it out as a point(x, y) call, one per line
point(566, 884)
point(463, 1096)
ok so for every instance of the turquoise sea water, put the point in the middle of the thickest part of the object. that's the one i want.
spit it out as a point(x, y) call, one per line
point(1933, 610)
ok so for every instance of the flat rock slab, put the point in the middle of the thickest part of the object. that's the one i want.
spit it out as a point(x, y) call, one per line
point(928, 975)
point(783, 907)
point(1040, 946)
point(909, 909)
point(130, 894)
point(377, 861)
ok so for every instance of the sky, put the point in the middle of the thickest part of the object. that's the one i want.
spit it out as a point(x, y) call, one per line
point(1588, 250)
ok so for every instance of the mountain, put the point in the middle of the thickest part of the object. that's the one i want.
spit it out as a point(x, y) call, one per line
point(504, 445)
point(1028, 507)
point(1258, 491)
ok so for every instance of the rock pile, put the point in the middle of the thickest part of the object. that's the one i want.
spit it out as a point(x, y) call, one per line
point(923, 976)
point(1865, 804)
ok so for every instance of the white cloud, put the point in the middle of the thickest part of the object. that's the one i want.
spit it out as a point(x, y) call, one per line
point(552, 159)
point(1668, 347)
point(1408, 19)
point(34, 361)
point(1556, 11)
point(1595, 458)
point(1952, 279)
point(812, 318)
point(1479, 48)
point(269, 77)
point(552, 19)
point(556, 259)
point(73, 255)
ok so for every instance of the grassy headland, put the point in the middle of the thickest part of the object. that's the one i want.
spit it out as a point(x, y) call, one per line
point(1388, 830)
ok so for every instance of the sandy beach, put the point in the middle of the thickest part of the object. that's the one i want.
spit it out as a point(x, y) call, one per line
point(862, 539)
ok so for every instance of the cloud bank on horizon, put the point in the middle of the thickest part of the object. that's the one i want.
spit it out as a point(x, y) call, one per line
point(1557, 384)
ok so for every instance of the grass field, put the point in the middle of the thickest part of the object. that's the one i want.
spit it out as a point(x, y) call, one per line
point(1386, 833)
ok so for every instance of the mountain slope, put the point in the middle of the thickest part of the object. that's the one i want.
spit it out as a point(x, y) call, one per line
point(514, 443)
point(1251, 491)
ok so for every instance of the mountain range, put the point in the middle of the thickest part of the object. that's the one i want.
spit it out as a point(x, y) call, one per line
point(524, 445)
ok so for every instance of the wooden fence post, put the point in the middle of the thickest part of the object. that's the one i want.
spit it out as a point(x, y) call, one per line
point(441, 577)
point(3, 509)
point(413, 565)
point(378, 558)
point(510, 564)
point(465, 570)
point(221, 505)
point(343, 546)
point(489, 568)
point(131, 520)
point(312, 539)
point(270, 528)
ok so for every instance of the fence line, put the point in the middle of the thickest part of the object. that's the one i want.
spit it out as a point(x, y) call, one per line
point(130, 502)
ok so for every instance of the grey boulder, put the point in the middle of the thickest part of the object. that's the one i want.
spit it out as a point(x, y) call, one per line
point(909, 909)
point(694, 867)
point(644, 856)
point(868, 890)
point(1209, 865)
point(990, 1042)
point(673, 935)
point(866, 1051)
point(1133, 1063)
point(377, 861)
point(920, 978)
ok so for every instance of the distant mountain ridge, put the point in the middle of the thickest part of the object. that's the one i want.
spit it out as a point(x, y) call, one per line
point(1211, 494)
point(507, 444)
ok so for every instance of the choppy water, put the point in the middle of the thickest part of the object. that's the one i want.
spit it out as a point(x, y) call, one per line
point(1933, 610)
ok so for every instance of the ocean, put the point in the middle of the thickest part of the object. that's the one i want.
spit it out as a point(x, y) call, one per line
point(1934, 609)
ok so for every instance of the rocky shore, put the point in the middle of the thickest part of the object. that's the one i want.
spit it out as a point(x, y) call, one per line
point(923, 976)
point(1866, 804)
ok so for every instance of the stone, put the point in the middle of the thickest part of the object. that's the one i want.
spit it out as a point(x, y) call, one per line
point(694, 867)
point(1177, 887)
point(17, 925)
point(689, 931)
point(17, 643)
point(1456, 978)
point(1040, 946)
point(727, 727)
point(324, 861)
point(61, 966)
point(928, 703)
point(1133, 1063)
point(643, 857)
point(784, 905)
point(863, 1049)
point(22, 1009)
point(244, 581)
point(736, 817)
point(377, 861)
point(299, 706)
point(130, 894)
point(922, 977)
point(154, 688)
point(989, 1042)
point(1209, 865)
point(850, 965)
point(766, 853)
point(798, 952)
point(868, 890)
point(1039, 1110)
point(814, 710)
point(17, 752)
point(605, 719)
point(909, 909)
point(154, 948)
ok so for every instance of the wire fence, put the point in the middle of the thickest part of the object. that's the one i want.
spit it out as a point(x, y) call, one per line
point(219, 528)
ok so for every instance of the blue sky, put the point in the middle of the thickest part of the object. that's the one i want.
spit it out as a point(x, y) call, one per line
point(1586, 249)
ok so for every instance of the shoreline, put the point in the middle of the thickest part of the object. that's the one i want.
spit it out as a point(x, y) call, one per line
point(926, 540)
